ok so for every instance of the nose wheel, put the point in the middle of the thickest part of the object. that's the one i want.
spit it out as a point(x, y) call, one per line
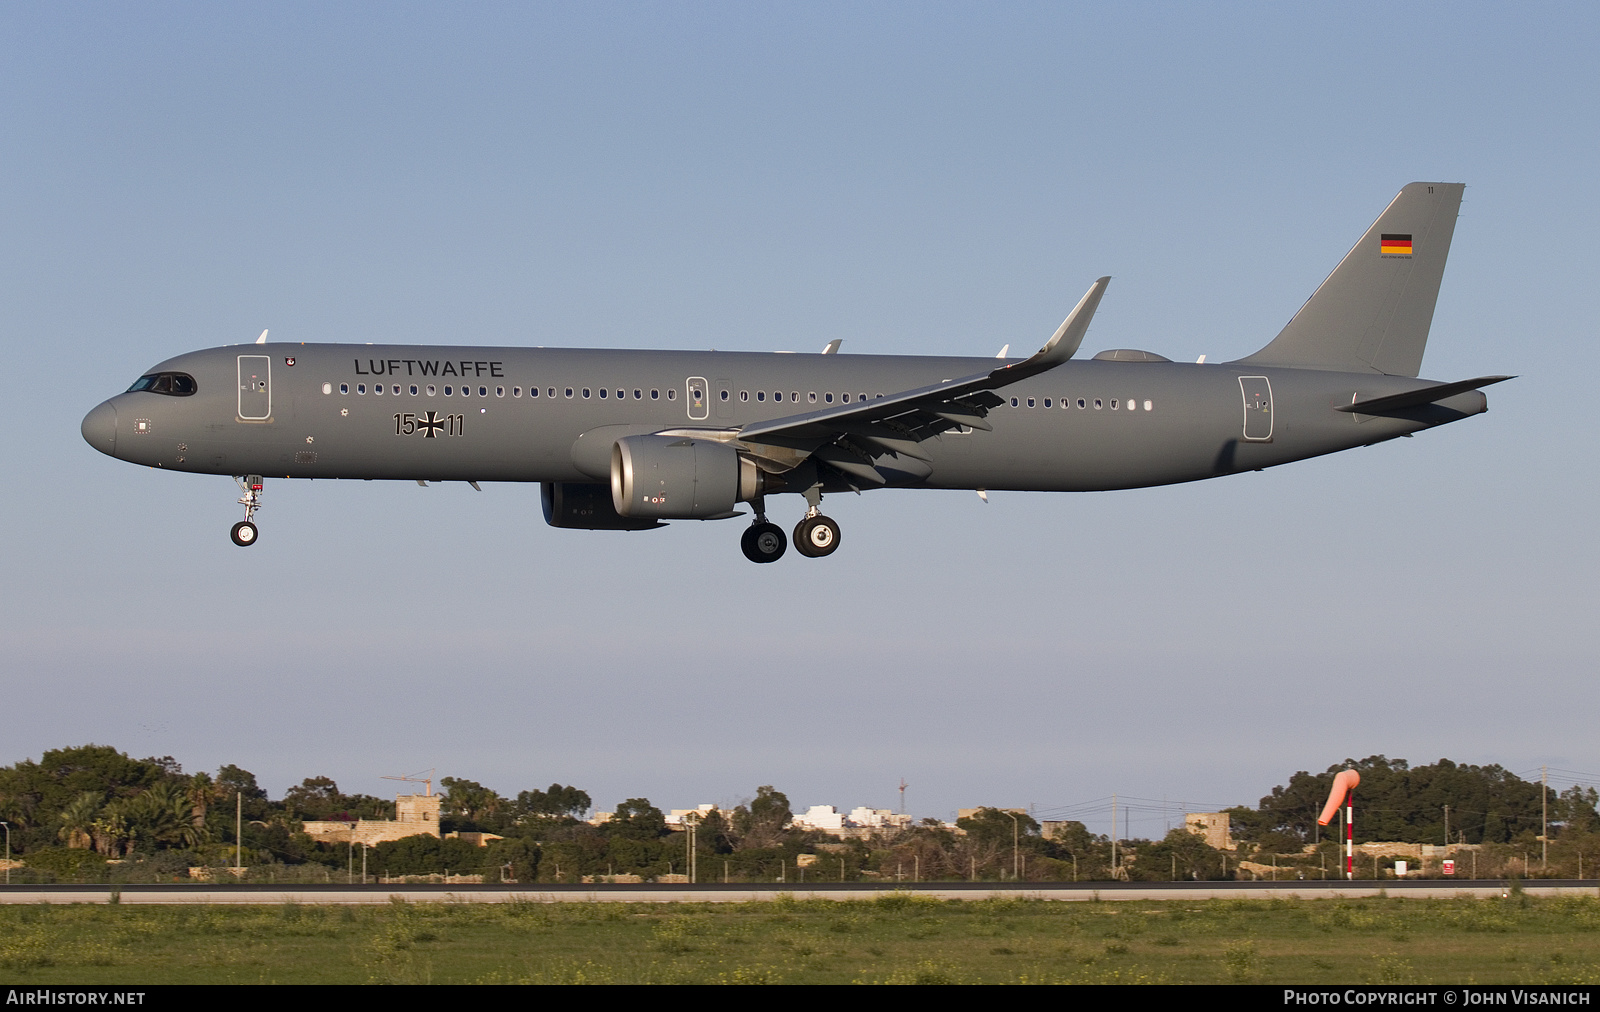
point(244, 532)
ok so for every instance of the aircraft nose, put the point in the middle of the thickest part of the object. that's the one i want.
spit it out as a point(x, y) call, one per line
point(100, 429)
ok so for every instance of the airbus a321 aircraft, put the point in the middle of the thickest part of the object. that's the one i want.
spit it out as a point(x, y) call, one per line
point(624, 440)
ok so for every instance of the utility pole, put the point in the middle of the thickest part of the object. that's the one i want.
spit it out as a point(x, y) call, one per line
point(1016, 864)
point(1544, 817)
point(902, 795)
point(8, 852)
point(238, 830)
point(1113, 834)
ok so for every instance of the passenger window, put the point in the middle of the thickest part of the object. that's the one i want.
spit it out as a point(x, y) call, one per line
point(447, 391)
point(655, 394)
point(638, 394)
point(361, 388)
point(672, 393)
point(1113, 404)
point(761, 395)
point(433, 390)
point(1031, 403)
point(413, 390)
point(602, 393)
point(1147, 405)
point(585, 393)
point(344, 388)
point(1080, 402)
point(1013, 402)
point(744, 395)
point(1097, 404)
point(812, 397)
point(794, 395)
point(828, 398)
point(1047, 402)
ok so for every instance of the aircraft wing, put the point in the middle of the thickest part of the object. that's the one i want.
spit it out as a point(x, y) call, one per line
point(850, 436)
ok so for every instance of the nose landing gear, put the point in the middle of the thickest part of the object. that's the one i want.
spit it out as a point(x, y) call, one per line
point(244, 532)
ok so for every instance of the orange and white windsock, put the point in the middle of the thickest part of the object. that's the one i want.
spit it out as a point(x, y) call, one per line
point(1344, 782)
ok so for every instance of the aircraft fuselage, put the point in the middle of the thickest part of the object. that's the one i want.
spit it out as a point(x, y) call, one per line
point(520, 414)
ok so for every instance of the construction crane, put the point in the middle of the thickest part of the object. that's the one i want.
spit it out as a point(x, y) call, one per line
point(417, 778)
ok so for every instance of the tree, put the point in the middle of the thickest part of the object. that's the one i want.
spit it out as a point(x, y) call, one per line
point(1181, 851)
point(77, 820)
point(1397, 802)
point(470, 800)
point(636, 819)
point(557, 802)
point(761, 823)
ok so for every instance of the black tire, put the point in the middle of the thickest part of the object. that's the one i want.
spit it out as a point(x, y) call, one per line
point(816, 537)
point(244, 534)
point(764, 543)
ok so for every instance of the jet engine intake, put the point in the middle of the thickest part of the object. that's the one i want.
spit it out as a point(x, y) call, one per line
point(680, 478)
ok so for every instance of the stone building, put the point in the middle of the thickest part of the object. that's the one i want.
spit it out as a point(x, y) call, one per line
point(415, 815)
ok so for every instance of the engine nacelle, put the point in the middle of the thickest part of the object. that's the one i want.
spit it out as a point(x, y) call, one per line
point(585, 507)
point(679, 478)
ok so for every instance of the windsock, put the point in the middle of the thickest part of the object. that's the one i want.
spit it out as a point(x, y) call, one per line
point(1344, 782)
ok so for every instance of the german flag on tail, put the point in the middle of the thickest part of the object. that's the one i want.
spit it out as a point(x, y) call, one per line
point(1395, 245)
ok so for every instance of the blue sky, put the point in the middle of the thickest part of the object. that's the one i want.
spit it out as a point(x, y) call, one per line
point(922, 179)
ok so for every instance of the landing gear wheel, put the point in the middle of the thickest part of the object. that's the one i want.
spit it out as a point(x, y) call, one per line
point(816, 536)
point(764, 542)
point(244, 534)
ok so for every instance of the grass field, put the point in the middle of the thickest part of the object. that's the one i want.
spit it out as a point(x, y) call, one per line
point(896, 939)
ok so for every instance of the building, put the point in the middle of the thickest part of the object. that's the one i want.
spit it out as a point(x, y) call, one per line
point(415, 815)
point(1213, 826)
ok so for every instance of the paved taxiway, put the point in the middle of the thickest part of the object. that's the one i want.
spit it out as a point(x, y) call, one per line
point(719, 893)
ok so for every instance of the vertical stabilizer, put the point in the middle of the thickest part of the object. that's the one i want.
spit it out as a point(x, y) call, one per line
point(1373, 312)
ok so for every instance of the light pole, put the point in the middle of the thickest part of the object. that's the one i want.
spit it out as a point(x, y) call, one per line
point(8, 851)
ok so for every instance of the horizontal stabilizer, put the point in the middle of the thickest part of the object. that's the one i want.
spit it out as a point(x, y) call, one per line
point(1417, 398)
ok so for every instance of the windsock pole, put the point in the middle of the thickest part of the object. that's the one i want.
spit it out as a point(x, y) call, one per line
point(1350, 834)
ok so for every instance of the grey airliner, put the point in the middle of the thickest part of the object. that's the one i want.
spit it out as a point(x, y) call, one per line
point(625, 440)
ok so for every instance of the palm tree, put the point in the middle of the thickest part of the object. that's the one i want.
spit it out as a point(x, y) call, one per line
point(77, 820)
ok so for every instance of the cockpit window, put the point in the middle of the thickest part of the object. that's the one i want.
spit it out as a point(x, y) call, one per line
point(173, 384)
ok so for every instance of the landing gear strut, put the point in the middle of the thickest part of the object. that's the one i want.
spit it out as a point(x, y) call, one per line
point(244, 532)
point(763, 541)
point(815, 535)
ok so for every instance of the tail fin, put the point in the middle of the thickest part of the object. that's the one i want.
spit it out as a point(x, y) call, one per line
point(1373, 312)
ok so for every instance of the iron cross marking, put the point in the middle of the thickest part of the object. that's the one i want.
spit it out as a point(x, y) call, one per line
point(430, 425)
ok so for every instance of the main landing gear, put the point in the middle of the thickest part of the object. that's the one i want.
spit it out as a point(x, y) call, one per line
point(763, 541)
point(244, 532)
point(814, 537)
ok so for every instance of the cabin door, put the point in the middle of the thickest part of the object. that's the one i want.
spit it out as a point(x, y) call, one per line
point(255, 387)
point(1257, 408)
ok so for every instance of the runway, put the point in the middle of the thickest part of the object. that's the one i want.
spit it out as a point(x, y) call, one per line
point(746, 893)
